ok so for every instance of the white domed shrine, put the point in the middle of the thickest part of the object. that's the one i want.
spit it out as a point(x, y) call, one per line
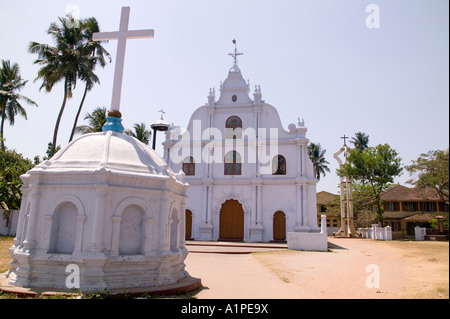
point(106, 208)
point(108, 204)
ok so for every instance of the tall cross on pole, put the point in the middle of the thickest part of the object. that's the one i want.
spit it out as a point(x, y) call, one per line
point(235, 54)
point(122, 35)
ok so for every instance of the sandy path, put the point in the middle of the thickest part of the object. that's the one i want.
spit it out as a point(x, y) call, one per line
point(406, 270)
point(235, 276)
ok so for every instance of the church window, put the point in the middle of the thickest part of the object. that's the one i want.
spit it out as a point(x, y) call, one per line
point(234, 98)
point(233, 127)
point(279, 165)
point(232, 163)
point(189, 166)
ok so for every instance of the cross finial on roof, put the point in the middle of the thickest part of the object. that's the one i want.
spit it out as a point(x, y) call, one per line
point(235, 54)
point(345, 137)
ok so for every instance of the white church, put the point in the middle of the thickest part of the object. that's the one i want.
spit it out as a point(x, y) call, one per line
point(250, 179)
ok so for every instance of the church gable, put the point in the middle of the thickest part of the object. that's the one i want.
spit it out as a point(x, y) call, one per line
point(250, 178)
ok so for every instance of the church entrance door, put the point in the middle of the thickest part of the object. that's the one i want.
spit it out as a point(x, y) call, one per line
point(279, 226)
point(231, 221)
point(188, 220)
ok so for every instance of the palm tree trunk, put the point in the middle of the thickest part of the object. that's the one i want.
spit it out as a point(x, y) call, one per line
point(3, 124)
point(78, 114)
point(58, 120)
point(1, 132)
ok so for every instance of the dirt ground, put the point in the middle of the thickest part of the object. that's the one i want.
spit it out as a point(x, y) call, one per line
point(352, 268)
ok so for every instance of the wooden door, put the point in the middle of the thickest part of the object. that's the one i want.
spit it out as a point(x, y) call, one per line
point(188, 224)
point(279, 226)
point(232, 221)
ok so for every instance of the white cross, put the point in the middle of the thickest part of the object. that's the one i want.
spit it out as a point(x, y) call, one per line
point(122, 35)
point(236, 53)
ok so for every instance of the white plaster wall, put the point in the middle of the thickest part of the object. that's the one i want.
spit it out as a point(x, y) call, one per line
point(307, 241)
point(11, 229)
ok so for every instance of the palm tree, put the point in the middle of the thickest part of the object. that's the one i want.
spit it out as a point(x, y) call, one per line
point(360, 141)
point(317, 156)
point(10, 83)
point(62, 62)
point(140, 132)
point(96, 121)
point(97, 55)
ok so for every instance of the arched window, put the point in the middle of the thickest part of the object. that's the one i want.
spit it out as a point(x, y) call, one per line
point(189, 166)
point(279, 165)
point(233, 128)
point(232, 163)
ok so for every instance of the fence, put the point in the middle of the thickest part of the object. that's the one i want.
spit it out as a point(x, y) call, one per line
point(376, 232)
point(9, 230)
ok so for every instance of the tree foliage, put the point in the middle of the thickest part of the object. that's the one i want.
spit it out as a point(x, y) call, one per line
point(140, 132)
point(11, 83)
point(72, 57)
point(375, 166)
point(432, 170)
point(12, 165)
point(317, 156)
point(96, 120)
point(360, 141)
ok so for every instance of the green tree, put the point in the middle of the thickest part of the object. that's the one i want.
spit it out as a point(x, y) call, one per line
point(360, 141)
point(64, 62)
point(375, 166)
point(12, 165)
point(97, 54)
point(140, 132)
point(10, 100)
point(96, 120)
point(432, 170)
point(317, 156)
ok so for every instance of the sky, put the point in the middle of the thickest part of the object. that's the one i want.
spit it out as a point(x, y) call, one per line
point(315, 59)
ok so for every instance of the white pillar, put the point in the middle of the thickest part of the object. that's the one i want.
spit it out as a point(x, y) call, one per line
point(97, 231)
point(304, 204)
point(164, 224)
point(79, 235)
point(323, 224)
point(30, 240)
point(183, 223)
point(115, 235)
point(21, 220)
point(148, 236)
point(254, 205)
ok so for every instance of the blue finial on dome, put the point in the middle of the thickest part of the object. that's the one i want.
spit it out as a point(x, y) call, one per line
point(113, 122)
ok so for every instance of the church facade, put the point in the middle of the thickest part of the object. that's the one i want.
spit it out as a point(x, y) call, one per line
point(250, 179)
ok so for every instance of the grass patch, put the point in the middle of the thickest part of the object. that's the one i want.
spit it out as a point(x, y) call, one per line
point(5, 258)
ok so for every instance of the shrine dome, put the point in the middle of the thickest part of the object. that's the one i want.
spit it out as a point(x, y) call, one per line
point(111, 151)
